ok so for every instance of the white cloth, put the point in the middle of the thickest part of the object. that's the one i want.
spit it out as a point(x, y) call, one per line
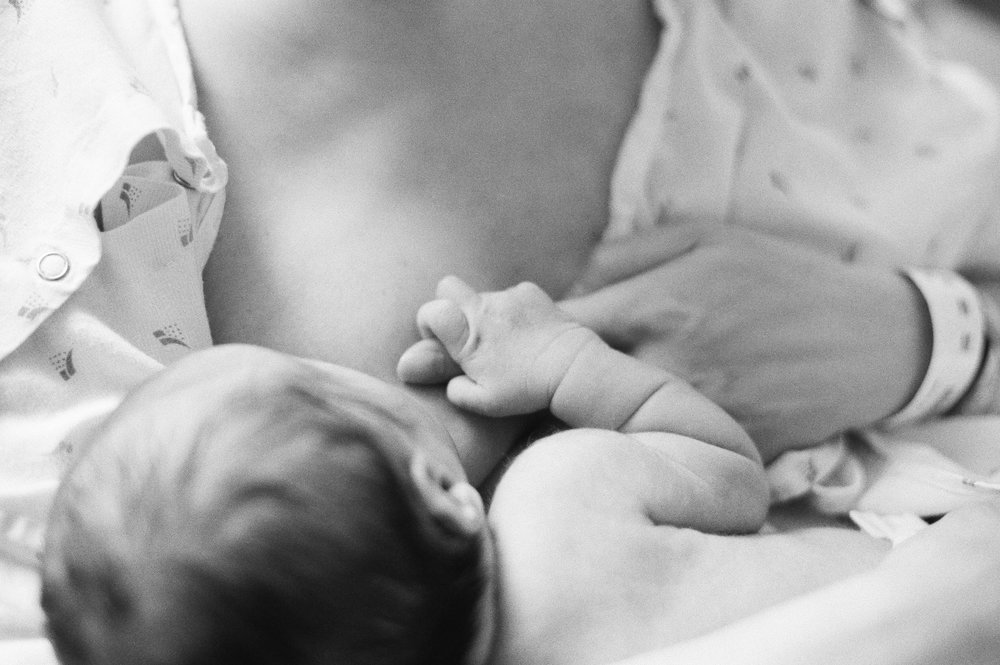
point(924, 470)
point(81, 83)
point(830, 124)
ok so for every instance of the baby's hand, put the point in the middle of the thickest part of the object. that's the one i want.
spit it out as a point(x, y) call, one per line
point(504, 352)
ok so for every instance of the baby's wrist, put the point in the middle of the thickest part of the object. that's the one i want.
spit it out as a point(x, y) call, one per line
point(567, 362)
point(602, 388)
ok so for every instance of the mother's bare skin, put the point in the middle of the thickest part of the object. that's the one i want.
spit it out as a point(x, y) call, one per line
point(376, 146)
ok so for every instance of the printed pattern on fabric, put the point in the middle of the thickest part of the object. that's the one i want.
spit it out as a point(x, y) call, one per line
point(828, 124)
point(141, 308)
point(100, 265)
point(63, 144)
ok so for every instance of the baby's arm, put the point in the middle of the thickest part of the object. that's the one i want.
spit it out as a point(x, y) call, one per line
point(516, 352)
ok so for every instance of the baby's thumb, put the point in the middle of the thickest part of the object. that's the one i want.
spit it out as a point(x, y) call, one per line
point(621, 258)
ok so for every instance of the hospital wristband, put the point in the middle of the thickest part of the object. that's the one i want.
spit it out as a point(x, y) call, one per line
point(957, 342)
point(983, 397)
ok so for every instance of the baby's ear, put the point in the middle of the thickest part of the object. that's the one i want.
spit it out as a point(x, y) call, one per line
point(455, 508)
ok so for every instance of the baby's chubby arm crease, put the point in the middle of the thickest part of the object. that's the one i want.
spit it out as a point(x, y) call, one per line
point(608, 389)
point(653, 477)
point(707, 473)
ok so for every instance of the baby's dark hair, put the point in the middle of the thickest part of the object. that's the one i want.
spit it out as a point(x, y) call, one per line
point(278, 534)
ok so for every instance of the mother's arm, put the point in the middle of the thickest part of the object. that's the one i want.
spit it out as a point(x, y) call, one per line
point(934, 600)
point(795, 344)
point(375, 146)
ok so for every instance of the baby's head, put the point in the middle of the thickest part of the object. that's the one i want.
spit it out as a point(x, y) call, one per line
point(247, 507)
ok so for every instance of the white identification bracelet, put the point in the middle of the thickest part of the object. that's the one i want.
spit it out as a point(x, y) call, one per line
point(984, 395)
point(958, 334)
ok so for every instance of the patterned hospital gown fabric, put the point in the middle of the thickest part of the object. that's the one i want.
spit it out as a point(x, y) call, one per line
point(100, 266)
point(831, 125)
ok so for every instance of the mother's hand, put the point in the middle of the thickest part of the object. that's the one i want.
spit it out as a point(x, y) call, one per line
point(795, 344)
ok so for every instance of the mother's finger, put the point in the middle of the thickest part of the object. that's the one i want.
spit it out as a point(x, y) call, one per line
point(615, 260)
point(609, 312)
point(427, 362)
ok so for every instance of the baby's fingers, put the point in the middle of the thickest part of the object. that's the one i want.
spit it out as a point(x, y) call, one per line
point(466, 394)
point(445, 321)
point(426, 362)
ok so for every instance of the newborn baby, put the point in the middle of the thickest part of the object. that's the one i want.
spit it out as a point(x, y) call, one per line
point(248, 506)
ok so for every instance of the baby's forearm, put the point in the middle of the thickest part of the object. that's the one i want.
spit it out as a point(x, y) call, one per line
point(607, 389)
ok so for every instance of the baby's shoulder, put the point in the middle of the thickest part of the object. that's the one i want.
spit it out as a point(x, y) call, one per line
point(571, 476)
point(567, 456)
